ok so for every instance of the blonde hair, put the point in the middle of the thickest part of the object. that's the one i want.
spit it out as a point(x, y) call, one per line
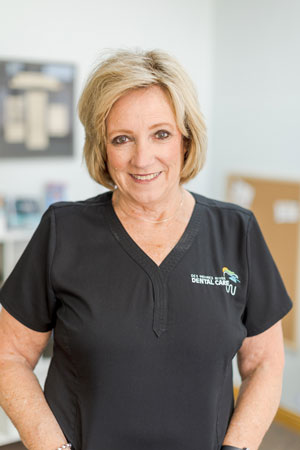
point(125, 70)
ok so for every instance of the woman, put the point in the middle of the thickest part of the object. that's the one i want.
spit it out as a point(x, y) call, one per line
point(150, 289)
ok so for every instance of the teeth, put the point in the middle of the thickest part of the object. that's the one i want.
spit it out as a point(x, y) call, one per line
point(146, 177)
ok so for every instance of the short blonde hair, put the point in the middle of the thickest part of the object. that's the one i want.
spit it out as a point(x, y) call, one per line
point(125, 70)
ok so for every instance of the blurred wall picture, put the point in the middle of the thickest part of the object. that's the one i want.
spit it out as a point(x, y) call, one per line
point(36, 109)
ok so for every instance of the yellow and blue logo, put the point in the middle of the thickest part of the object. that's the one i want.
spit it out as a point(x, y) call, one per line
point(231, 275)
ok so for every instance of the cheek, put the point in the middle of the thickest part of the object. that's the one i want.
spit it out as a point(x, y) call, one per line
point(175, 157)
point(115, 160)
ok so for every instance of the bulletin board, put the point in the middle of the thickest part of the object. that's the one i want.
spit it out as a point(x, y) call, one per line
point(276, 205)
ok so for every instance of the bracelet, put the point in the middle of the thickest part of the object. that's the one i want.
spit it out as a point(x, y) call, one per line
point(68, 445)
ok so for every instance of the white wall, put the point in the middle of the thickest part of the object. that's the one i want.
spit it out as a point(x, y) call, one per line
point(256, 108)
point(76, 31)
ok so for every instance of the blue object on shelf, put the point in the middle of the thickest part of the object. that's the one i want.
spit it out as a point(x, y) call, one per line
point(23, 213)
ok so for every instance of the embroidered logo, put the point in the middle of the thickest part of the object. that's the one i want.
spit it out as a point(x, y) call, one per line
point(229, 280)
point(232, 277)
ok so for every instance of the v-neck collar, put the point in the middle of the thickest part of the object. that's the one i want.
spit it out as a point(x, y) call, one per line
point(157, 273)
point(137, 253)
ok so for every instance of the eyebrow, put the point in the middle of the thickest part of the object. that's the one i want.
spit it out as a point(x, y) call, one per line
point(123, 130)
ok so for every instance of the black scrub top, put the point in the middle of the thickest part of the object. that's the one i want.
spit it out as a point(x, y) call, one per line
point(143, 353)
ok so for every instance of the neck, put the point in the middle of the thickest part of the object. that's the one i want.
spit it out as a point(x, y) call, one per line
point(158, 212)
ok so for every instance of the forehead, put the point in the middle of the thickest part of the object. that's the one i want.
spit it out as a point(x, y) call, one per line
point(139, 105)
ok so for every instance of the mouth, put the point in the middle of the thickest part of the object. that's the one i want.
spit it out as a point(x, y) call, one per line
point(146, 177)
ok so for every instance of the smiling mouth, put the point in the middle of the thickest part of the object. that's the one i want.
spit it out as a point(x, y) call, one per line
point(149, 176)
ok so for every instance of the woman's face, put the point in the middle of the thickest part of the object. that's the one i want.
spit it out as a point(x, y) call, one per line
point(144, 146)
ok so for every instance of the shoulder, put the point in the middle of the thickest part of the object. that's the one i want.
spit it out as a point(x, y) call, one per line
point(221, 207)
point(224, 216)
point(62, 208)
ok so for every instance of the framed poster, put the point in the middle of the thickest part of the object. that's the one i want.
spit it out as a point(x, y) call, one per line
point(36, 109)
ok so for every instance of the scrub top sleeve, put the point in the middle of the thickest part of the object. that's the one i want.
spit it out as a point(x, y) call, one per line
point(27, 293)
point(267, 299)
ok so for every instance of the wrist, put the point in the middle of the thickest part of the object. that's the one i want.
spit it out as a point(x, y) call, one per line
point(230, 447)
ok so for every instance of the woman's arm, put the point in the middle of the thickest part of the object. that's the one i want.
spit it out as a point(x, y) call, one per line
point(21, 396)
point(260, 363)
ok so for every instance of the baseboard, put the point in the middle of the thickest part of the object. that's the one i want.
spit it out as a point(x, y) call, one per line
point(284, 417)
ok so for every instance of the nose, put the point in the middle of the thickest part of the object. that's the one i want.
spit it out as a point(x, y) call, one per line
point(143, 154)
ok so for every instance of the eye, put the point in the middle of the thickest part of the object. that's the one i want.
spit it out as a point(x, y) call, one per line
point(120, 140)
point(162, 134)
